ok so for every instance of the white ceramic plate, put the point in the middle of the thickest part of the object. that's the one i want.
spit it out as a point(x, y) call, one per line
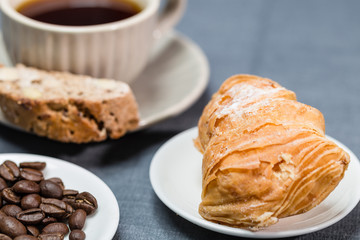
point(175, 77)
point(74, 177)
point(175, 174)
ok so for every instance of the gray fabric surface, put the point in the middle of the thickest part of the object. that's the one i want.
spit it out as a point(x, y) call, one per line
point(311, 47)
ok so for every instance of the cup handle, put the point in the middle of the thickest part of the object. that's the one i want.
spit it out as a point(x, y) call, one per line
point(169, 16)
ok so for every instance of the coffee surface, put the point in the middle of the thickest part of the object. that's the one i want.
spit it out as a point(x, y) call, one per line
point(79, 12)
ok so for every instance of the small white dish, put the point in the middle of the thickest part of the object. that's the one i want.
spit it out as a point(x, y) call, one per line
point(74, 177)
point(175, 77)
point(175, 175)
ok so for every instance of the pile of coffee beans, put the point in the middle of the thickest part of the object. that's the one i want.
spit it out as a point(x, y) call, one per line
point(34, 208)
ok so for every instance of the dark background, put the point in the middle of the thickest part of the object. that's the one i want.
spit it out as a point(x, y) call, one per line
point(311, 47)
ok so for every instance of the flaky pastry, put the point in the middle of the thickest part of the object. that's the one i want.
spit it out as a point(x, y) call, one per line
point(265, 155)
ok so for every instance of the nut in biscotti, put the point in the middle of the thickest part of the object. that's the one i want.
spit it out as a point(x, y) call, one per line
point(67, 107)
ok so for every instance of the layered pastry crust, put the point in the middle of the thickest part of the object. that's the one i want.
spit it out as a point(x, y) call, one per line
point(265, 155)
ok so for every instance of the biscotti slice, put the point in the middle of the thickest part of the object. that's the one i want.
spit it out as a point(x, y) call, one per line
point(67, 107)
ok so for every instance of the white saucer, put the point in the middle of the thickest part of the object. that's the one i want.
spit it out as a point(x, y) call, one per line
point(75, 177)
point(176, 76)
point(175, 174)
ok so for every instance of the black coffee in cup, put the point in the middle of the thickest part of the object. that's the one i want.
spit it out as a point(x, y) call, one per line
point(79, 12)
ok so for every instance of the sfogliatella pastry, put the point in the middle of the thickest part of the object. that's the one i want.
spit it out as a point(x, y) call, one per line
point(265, 155)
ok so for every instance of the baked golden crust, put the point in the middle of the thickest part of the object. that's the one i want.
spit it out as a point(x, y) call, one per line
point(265, 154)
point(67, 107)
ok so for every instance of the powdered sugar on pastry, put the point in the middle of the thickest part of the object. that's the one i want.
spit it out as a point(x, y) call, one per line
point(263, 148)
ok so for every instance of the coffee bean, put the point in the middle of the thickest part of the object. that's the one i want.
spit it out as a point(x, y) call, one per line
point(34, 231)
point(51, 236)
point(33, 165)
point(31, 216)
point(48, 220)
point(11, 227)
point(30, 201)
point(56, 208)
point(69, 211)
point(25, 237)
point(41, 207)
point(69, 200)
point(31, 174)
point(57, 181)
point(2, 214)
point(11, 210)
point(4, 237)
point(26, 186)
point(3, 185)
point(10, 196)
point(9, 170)
point(77, 235)
point(77, 219)
point(57, 227)
point(70, 193)
point(69, 196)
point(85, 201)
point(50, 189)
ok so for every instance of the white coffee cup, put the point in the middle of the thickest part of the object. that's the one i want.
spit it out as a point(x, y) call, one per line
point(118, 50)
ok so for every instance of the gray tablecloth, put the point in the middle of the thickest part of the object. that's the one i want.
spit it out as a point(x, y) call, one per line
point(311, 47)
